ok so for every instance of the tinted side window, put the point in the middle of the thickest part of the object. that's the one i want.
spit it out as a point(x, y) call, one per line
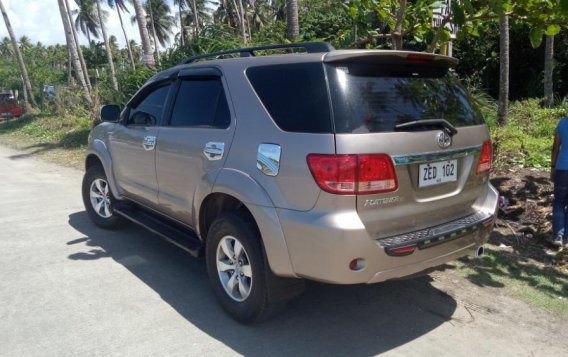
point(295, 95)
point(149, 111)
point(202, 103)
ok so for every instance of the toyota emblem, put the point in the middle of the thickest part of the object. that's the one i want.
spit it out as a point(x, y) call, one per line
point(444, 140)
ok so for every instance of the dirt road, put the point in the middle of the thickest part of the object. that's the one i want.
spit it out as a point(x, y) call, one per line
point(68, 288)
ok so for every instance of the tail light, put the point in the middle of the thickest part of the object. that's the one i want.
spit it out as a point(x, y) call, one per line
point(485, 158)
point(353, 174)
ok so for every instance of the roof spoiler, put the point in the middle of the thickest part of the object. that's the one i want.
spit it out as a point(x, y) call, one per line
point(389, 56)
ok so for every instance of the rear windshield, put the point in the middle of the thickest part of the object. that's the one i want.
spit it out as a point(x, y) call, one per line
point(370, 98)
point(295, 95)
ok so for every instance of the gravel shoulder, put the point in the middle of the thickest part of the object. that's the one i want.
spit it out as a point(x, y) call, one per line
point(69, 288)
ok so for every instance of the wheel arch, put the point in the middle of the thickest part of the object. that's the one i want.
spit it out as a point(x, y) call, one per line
point(98, 154)
point(236, 191)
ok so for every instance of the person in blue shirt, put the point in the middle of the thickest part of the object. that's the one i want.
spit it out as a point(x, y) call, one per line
point(559, 175)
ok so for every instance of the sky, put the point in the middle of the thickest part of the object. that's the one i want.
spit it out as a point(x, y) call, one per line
point(40, 20)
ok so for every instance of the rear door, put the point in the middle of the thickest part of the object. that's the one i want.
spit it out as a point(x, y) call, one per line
point(193, 146)
point(409, 110)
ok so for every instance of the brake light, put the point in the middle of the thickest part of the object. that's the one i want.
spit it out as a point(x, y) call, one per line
point(353, 174)
point(485, 158)
point(419, 58)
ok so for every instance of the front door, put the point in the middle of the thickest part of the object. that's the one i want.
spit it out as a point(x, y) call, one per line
point(133, 146)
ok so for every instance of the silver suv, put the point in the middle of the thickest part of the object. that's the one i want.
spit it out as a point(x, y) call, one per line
point(341, 166)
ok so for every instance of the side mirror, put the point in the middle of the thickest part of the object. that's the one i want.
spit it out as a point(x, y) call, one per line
point(110, 113)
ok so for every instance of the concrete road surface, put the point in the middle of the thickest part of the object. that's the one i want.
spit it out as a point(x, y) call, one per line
point(68, 288)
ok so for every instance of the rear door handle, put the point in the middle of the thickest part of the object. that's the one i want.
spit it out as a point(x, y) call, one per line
point(149, 143)
point(214, 150)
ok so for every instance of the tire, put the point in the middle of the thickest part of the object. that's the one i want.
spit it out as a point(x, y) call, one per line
point(99, 200)
point(250, 300)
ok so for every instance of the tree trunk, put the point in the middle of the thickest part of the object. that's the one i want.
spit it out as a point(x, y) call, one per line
point(107, 47)
point(503, 69)
point(181, 38)
point(70, 80)
point(156, 48)
point(548, 71)
point(79, 50)
point(242, 20)
point(397, 33)
point(73, 50)
point(144, 37)
point(195, 17)
point(239, 19)
point(130, 56)
point(23, 71)
point(293, 26)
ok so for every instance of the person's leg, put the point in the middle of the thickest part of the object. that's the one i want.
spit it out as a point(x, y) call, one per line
point(559, 216)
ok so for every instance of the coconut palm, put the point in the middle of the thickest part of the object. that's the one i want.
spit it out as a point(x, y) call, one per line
point(23, 70)
point(158, 20)
point(120, 6)
point(503, 106)
point(107, 46)
point(145, 39)
point(25, 43)
point(198, 16)
point(6, 48)
point(73, 51)
point(293, 27)
point(182, 5)
point(86, 19)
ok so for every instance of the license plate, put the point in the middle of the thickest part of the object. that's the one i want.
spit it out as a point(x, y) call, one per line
point(434, 173)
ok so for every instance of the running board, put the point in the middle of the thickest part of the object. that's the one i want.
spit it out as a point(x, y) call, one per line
point(171, 232)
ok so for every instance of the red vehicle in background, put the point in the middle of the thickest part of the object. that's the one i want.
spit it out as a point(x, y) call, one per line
point(9, 107)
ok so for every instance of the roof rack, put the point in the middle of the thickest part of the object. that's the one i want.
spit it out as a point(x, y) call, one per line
point(310, 47)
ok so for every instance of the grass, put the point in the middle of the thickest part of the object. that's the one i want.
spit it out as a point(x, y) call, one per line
point(58, 138)
point(544, 287)
point(527, 138)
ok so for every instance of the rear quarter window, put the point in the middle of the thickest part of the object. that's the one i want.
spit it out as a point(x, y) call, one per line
point(295, 96)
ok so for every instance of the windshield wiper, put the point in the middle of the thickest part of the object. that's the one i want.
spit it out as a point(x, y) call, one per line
point(419, 124)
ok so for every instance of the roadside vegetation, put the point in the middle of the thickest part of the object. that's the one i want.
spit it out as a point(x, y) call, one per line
point(522, 91)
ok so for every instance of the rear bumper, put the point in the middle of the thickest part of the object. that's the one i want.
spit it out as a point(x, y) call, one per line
point(322, 244)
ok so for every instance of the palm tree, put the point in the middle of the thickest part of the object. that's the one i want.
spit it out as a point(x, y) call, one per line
point(197, 17)
point(73, 51)
point(23, 71)
point(549, 70)
point(293, 27)
point(181, 4)
point(6, 48)
point(144, 38)
point(121, 6)
point(159, 21)
point(107, 46)
point(25, 43)
point(89, 24)
point(503, 69)
point(86, 19)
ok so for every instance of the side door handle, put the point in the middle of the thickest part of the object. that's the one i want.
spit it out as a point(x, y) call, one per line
point(149, 143)
point(214, 150)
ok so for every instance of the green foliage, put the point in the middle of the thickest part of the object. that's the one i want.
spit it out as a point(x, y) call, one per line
point(129, 83)
point(211, 39)
point(527, 138)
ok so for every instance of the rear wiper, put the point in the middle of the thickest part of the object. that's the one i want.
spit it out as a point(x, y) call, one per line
point(417, 124)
